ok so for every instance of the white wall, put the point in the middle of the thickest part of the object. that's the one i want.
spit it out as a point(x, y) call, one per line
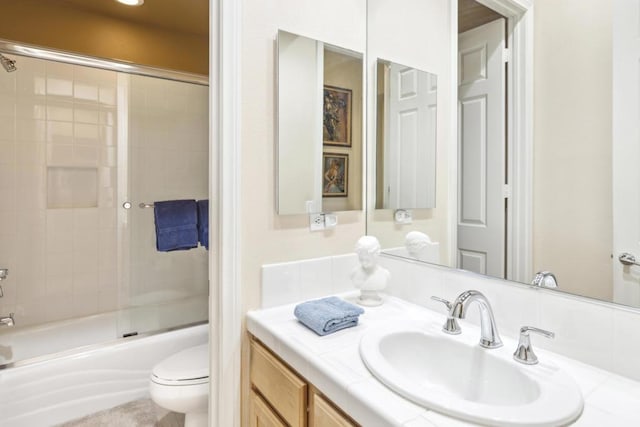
point(415, 33)
point(572, 203)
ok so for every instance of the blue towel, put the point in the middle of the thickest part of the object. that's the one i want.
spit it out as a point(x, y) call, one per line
point(176, 225)
point(203, 222)
point(327, 315)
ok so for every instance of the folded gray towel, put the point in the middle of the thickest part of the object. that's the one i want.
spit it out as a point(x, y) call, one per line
point(327, 315)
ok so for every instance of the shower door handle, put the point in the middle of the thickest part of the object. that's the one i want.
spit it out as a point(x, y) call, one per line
point(628, 259)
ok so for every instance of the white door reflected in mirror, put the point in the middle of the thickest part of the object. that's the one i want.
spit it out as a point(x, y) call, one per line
point(405, 137)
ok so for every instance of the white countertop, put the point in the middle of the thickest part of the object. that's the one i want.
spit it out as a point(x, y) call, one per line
point(332, 363)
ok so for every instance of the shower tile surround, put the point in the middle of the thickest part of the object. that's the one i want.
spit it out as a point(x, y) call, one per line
point(599, 334)
point(59, 228)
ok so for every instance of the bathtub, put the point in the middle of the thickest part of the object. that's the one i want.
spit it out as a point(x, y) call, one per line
point(45, 390)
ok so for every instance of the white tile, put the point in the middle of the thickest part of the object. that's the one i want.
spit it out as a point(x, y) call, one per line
point(59, 154)
point(315, 278)
point(85, 91)
point(59, 87)
point(626, 342)
point(595, 417)
point(441, 420)
point(30, 130)
point(107, 95)
point(60, 111)
point(30, 154)
point(60, 220)
point(575, 324)
point(59, 132)
point(399, 276)
point(59, 284)
point(341, 268)
point(85, 283)
point(618, 396)
point(86, 113)
point(86, 133)
point(31, 108)
point(390, 407)
point(59, 263)
point(280, 284)
point(7, 152)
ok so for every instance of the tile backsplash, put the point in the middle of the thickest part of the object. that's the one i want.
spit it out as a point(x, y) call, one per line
point(601, 334)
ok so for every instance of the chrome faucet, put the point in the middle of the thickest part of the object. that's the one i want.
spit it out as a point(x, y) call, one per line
point(7, 321)
point(545, 279)
point(489, 331)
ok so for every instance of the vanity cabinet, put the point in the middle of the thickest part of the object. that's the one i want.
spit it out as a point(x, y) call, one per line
point(281, 397)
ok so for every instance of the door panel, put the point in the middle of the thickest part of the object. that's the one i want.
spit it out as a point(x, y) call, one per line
point(481, 149)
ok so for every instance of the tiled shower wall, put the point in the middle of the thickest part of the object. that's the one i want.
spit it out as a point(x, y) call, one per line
point(59, 207)
point(57, 188)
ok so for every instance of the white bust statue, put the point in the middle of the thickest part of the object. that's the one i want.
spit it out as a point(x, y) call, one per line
point(369, 277)
point(416, 242)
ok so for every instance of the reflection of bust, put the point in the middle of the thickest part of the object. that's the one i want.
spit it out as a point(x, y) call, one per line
point(369, 277)
point(416, 242)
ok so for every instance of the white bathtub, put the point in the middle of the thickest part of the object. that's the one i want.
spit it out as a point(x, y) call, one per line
point(50, 390)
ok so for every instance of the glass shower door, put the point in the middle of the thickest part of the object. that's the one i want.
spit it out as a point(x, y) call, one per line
point(163, 141)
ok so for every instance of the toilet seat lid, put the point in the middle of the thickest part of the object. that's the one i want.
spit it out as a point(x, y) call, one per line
point(187, 365)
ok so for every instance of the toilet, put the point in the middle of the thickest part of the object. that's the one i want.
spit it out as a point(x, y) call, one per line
point(180, 383)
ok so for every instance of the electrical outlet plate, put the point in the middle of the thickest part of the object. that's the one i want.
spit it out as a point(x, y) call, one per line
point(403, 216)
point(316, 222)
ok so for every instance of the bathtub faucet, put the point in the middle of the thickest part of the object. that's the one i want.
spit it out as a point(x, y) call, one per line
point(7, 321)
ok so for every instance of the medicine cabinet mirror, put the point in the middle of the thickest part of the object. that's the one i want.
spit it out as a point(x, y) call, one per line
point(406, 110)
point(320, 126)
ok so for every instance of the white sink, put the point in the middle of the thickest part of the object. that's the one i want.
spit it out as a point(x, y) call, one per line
point(455, 376)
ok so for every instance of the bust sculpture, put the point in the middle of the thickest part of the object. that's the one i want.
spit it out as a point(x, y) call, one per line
point(416, 243)
point(369, 277)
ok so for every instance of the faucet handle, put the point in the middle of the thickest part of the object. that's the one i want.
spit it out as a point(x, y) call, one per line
point(7, 321)
point(451, 325)
point(524, 353)
point(442, 300)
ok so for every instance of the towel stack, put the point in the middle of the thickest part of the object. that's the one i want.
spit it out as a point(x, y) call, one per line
point(180, 224)
point(327, 315)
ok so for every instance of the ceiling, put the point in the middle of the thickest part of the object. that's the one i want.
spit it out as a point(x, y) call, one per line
point(186, 16)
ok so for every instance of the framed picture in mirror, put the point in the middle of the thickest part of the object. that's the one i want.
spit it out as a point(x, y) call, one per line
point(336, 116)
point(335, 173)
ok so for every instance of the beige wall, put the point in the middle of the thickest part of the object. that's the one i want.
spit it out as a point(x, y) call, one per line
point(266, 236)
point(572, 217)
point(52, 24)
point(396, 30)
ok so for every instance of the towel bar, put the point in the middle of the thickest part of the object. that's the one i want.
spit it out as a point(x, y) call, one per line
point(145, 205)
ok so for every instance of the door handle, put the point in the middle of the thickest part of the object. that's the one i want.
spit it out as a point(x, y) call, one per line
point(628, 259)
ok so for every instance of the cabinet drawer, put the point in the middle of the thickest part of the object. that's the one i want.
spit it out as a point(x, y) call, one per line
point(324, 414)
point(261, 415)
point(284, 390)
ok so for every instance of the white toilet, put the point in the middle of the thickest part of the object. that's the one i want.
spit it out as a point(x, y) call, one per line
point(180, 383)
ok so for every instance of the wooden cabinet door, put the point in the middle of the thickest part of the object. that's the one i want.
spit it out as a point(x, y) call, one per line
point(324, 414)
point(261, 415)
point(280, 386)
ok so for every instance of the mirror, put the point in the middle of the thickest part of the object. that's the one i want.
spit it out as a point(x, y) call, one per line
point(583, 156)
point(320, 92)
point(406, 105)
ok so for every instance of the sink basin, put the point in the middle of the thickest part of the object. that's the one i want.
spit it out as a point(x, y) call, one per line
point(455, 376)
